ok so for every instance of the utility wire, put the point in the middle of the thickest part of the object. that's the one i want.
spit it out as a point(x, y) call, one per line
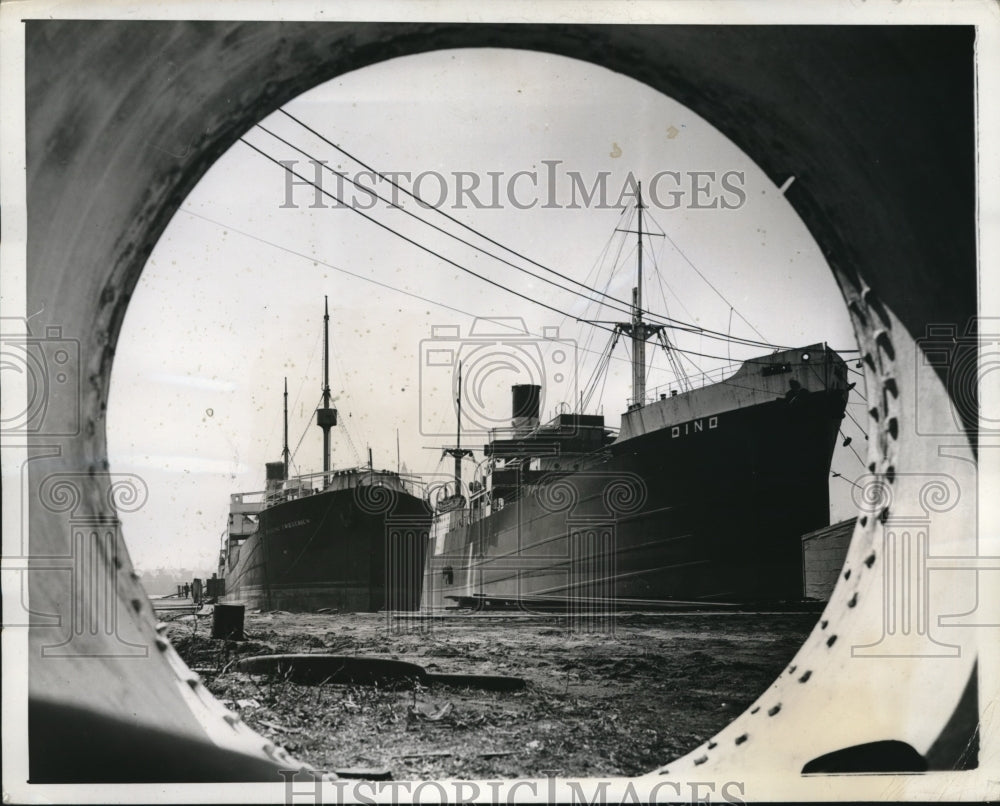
point(589, 289)
point(451, 218)
point(435, 227)
point(397, 186)
point(457, 265)
point(411, 241)
point(450, 262)
point(317, 262)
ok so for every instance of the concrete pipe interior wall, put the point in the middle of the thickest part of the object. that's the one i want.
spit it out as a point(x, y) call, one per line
point(123, 118)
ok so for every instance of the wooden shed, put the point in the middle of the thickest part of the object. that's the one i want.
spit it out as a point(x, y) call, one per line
point(823, 554)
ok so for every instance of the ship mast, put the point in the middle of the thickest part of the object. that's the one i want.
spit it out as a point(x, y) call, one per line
point(284, 450)
point(638, 333)
point(326, 417)
point(458, 452)
point(638, 329)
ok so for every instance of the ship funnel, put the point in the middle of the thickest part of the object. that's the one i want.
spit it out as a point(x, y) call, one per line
point(525, 402)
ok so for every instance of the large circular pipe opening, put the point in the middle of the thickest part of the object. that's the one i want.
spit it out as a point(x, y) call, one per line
point(887, 257)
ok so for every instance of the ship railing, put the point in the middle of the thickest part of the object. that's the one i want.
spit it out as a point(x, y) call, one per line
point(548, 428)
point(695, 381)
point(361, 470)
point(302, 486)
point(247, 503)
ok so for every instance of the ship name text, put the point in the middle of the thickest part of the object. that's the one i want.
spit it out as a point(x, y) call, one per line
point(694, 427)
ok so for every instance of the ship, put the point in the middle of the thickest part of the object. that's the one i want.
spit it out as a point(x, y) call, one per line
point(350, 539)
point(698, 499)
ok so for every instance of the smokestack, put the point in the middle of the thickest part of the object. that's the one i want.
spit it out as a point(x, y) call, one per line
point(275, 475)
point(525, 402)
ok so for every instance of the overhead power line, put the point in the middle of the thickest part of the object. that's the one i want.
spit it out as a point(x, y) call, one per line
point(457, 265)
point(409, 240)
point(676, 323)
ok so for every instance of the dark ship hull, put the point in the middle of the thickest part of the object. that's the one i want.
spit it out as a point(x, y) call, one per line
point(702, 497)
point(355, 542)
point(357, 548)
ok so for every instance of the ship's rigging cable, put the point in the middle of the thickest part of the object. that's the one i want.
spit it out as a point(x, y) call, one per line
point(595, 270)
point(305, 431)
point(599, 372)
point(727, 337)
point(732, 308)
point(860, 375)
point(657, 257)
point(682, 379)
point(729, 329)
point(627, 309)
point(668, 346)
point(709, 284)
point(302, 382)
point(853, 420)
point(346, 421)
point(350, 443)
point(847, 442)
point(834, 474)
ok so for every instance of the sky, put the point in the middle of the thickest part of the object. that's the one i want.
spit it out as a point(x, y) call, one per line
point(230, 302)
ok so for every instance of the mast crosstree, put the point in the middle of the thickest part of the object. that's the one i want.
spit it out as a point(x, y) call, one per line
point(458, 452)
point(639, 330)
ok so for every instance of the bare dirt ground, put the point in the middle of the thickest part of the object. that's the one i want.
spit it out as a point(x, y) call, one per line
point(594, 704)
